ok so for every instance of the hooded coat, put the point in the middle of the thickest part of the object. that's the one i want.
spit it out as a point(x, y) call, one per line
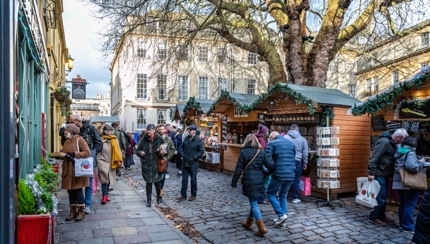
point(68, 179)
point(149, 160)
point(405, 159)
point(301, 145)
point(381, 163)
point(253, 176)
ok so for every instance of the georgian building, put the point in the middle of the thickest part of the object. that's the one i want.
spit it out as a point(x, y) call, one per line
point(154, 68)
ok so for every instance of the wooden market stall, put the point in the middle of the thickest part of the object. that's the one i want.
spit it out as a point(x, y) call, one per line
point(402, 105)
point(194, 113)
point(235, 125)
point(310, 108)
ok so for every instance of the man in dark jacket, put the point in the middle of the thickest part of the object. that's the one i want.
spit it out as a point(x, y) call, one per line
point(422, 226)
point(192, 151)
point(282, 152)
point(92, 137)
point(381, 169)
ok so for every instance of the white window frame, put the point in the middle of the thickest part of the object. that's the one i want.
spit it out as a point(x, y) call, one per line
point(141, 50)
point(424, 39)
point(424, 64)
point(162, 51)
point(142, 86)
point(251, 86)
point(161, 116)
point(395, 77)
point(161, 87)
point(222, 85)
point(353, 90)
point(183, 88)
point(203, 87)
point(369, 85)
point(142, 117)
point(376, 84)
point(203, 53)
point(252, 59)
point(183, 52)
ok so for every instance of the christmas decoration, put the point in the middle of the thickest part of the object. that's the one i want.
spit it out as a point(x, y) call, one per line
point(380, 100)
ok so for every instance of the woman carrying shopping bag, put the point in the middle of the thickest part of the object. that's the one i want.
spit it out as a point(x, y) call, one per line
point(73, 184)
point(406, 159)
point(108, 160)
point(250, 166)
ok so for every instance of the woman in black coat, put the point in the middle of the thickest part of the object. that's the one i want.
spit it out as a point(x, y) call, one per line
point(422, 225)
point(250, 162)
point(147, 151)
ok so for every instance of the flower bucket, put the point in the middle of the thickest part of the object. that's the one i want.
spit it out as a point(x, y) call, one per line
point(34, 229)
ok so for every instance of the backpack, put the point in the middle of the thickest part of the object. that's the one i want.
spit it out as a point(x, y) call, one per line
point(127, 139)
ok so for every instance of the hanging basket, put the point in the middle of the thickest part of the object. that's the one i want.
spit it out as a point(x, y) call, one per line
point(66, 94)
point(59, 97)
point(68, 108)
point(68, 101)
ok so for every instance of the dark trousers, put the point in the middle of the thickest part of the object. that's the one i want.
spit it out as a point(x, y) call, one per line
point(192, 173)
point(105, 189)
point(296, 182)
point(379, 211)
point(178, 161)
point(76, 196)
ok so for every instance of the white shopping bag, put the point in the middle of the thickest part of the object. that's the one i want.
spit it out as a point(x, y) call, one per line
point(83, 166)
point(367, 195)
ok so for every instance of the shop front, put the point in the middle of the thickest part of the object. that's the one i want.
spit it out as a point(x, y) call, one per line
point(403, 105)
point(335, 157)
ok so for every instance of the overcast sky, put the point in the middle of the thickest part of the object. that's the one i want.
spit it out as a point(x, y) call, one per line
point(84, 45)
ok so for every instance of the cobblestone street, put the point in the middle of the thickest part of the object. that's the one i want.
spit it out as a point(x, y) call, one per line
point(219, 209)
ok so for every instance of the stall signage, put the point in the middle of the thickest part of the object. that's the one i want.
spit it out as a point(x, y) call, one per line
point(298, 118)
point(378, 123)
point(408, 125)
point(411, 110)
point(224, 131)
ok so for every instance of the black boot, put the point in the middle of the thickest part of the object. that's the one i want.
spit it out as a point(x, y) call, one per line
point(158, 190)
point(148, 194)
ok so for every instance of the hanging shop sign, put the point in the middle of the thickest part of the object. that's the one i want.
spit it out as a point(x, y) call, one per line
point(415, 110)
point(79, 89)
point(294, 118)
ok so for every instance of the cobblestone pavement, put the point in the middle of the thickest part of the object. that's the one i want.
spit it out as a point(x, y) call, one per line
point(219, 209)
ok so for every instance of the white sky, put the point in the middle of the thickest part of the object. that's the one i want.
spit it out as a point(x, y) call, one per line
point(84, 47)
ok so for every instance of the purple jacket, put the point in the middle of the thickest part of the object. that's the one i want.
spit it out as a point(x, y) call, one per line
point(261, 140)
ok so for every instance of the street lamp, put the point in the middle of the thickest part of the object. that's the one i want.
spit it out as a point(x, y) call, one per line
point(70, 63)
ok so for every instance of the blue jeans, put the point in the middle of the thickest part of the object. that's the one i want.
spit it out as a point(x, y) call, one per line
point(254, 213)
point(408, 202)
point(296, 182)
point(189, 172)
point(280, 206)
point(89, 190)
point(379, 211)
point(105, 189)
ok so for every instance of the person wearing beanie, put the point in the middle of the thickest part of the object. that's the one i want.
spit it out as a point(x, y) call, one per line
point(75, 147)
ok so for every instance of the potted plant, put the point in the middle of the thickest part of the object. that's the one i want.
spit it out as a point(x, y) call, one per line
point(37, 205)
point(61, 93)
point(68, 101)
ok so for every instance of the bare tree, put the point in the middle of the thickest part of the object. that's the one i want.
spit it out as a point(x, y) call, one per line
point(297, 39)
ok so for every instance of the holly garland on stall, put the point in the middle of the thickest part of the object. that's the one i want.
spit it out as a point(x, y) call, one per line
point(226, 95)
point(379, 101)
point(327, 113)
point(192, 103)
point(280, 87)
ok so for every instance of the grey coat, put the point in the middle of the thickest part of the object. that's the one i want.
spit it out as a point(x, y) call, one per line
point(149, 160)
point(406, 158)
point(106, 174)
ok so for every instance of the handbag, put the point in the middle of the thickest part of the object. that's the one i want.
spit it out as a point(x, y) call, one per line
point(83, 166)
point(417, 181)
point(161, 162)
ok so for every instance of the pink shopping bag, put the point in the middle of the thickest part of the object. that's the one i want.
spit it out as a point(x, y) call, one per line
point(305, 186)
point(94, 185)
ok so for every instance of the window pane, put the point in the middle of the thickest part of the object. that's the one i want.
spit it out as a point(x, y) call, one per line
point(141, 118)
point(203, 87)
point(162, 85)
point(222, 85)
point(162, 51)
point(183, 53)
point(369, 85)
point(252, 58)
point(376, 84)
point(203, 53)
point(142, 86)
point(395, 76)
point(183, 88)
point(425, 39)
point(161, 116)
point(251, 86)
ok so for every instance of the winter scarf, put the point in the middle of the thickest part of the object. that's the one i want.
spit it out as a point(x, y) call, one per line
point(116, 153)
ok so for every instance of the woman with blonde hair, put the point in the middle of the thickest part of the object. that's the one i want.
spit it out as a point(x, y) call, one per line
point(250, 166)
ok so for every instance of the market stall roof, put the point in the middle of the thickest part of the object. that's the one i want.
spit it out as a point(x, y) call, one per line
point(178, 112)
point(387, 97)
point(194, 106)
point(226, 99)
point(309, 95)
point(104, 119)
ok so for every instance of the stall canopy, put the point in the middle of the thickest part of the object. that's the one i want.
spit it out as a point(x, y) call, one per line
point(196, 107)
point(311, 96)
point(178, 112)
point(104, 119)
point(391, 94)
point(241, 101)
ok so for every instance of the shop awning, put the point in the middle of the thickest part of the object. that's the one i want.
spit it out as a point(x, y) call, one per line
point(104, 119)
point(227, 99)
point(387, 97)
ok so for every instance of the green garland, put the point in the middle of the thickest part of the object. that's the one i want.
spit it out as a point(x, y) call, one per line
point(278, 87)
point(379, 101)
point(192, 103)
point(327, 113)
point(225, 94)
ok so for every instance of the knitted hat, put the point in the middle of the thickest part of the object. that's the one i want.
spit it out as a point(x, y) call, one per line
point(73, 129)
point(262, 129)
point(107, 128)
